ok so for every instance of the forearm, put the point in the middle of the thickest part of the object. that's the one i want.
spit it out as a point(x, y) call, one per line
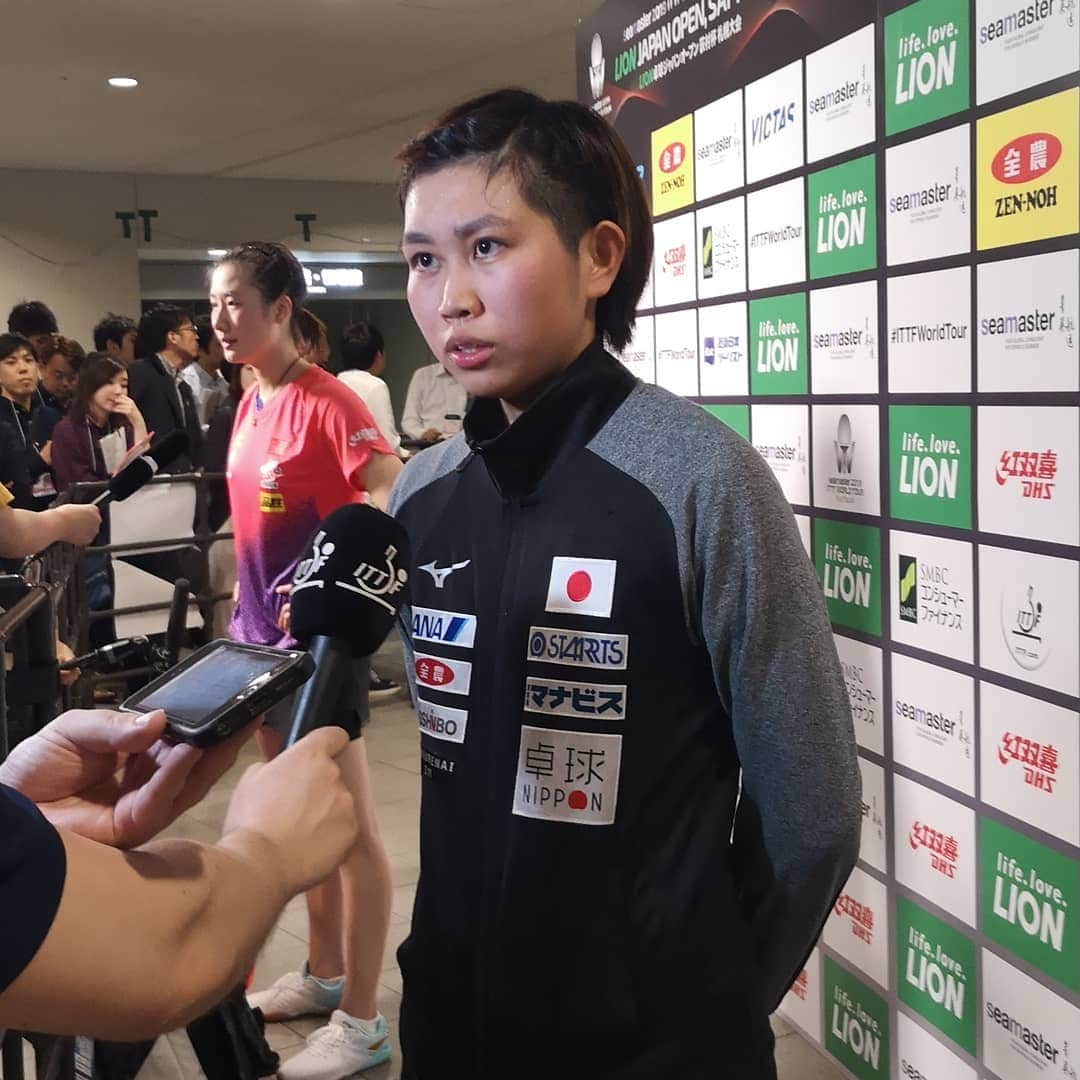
point(166, 930)
point(24, 532)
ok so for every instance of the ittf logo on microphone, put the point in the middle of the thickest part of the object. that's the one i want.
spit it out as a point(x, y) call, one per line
point(581, 586)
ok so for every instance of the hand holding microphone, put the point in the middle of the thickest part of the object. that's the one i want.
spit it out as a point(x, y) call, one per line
point(346, 593)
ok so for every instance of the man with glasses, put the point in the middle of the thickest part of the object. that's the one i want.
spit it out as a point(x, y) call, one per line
point(168, 336)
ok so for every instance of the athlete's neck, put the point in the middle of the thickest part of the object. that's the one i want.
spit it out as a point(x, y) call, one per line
point(278, 370)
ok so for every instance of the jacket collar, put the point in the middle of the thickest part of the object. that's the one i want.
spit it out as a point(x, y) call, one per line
point(563, 418)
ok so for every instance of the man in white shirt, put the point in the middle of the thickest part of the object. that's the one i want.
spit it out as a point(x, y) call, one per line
point(433, 397)
point(363, 360)
point(208, 386)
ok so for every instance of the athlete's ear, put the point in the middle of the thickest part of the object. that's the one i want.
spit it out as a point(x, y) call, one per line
point(600, 254)
point(281, 310)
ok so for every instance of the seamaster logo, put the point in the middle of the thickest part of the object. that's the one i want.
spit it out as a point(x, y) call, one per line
point(1021, 624)
point(1020, 1032)
point(439, 574)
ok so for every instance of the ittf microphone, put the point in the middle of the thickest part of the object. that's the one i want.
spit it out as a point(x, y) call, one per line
point(346, 594)
point(142, 469)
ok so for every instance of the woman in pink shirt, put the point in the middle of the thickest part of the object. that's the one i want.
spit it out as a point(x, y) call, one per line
point(303, 445)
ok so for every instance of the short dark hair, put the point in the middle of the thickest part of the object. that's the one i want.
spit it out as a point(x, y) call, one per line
point(569, 165)
point(205, 332)
point(30, 318)
point(156, 326)
point(360, 344)
point(112, 328)
point(93, 375)
point(272, 268)
point(10, 343)
point(68, 348)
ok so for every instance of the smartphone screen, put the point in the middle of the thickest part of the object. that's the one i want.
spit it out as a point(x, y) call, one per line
point(208, 684)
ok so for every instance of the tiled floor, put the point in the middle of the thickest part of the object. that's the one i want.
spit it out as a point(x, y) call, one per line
point(392, 746)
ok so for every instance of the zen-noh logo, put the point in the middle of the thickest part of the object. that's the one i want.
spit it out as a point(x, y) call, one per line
point(672, 157)
point(1026, 158)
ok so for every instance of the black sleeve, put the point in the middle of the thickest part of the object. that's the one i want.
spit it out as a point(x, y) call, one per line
point(32, 871)
point(13, 471)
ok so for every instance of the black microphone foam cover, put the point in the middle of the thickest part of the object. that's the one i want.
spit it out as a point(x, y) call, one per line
point(130, 478)
point(353, 579)
point(165, 450)
point(136, 473)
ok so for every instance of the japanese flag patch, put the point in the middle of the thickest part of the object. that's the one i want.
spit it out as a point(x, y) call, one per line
point(581, 586)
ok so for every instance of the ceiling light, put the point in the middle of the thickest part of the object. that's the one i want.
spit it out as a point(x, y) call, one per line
point(123, 82)
point(216, 253)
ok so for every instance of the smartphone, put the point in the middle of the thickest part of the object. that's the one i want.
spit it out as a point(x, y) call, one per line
point(221, 688)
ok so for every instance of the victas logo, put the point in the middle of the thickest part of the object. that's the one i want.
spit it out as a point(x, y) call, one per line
point(1023, 160)
point(944, 850)
point(1022, 626)
point(1038, 760)
point(1035, 470)
point(909, 589)
point(768, 124)
point(801, 985)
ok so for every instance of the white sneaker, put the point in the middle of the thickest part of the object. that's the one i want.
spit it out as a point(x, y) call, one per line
point(296, 994)
point(341, 1049)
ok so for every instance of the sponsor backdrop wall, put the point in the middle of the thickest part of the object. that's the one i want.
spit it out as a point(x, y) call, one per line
point(866, 218)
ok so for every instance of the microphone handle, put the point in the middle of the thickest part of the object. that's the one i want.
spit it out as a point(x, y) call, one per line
point(324, 700)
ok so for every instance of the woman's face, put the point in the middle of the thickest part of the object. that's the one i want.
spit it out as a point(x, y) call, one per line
point(106, 398)
point(247, 328)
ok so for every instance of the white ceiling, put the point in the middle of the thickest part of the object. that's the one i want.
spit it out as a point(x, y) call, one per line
point(282, 89)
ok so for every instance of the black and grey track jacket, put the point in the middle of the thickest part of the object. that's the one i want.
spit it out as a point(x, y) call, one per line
point(612, 620)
